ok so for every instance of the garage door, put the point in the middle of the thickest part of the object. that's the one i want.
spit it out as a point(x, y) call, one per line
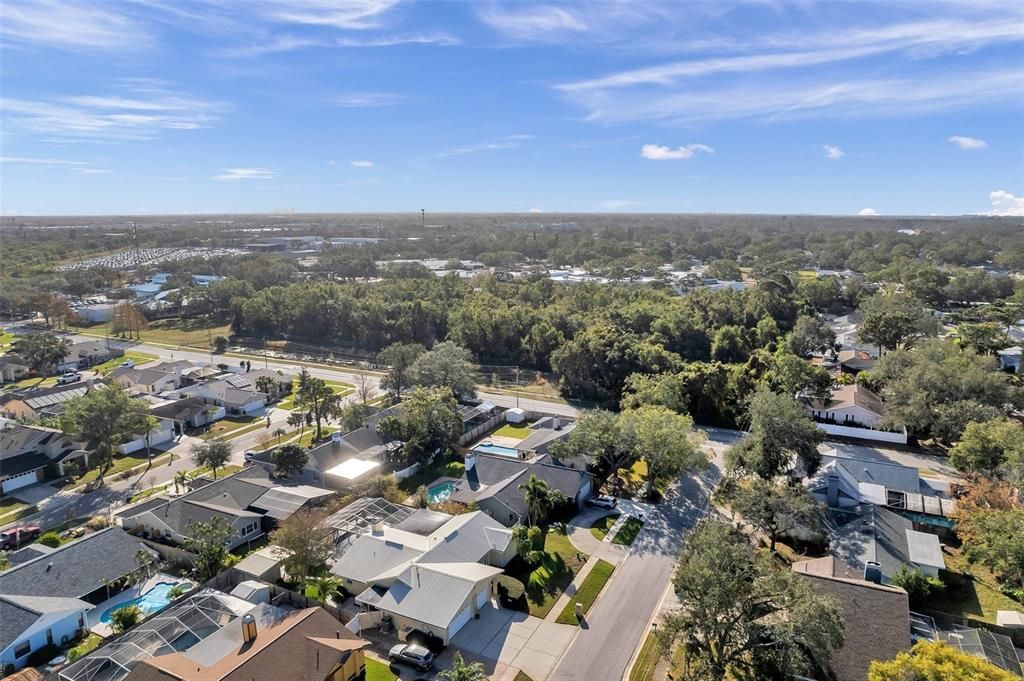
point(19, 481)
point(481, 599)
point(459, 622)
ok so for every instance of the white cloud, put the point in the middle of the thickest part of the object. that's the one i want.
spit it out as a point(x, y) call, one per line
point(506, 142)
point(536, 210)
point(834, 153)
point(91, 171)
point(142, 112)
point(1005, 204)
point(71, 25)
point(332, 162)
point(361, 164)
point(657, 152)
point(236, 174)
point(440, 39)
point(345, 14)
point(41, 161)
point(967, 143)
point(367, 100)
point(868, 212)
point(533, 22)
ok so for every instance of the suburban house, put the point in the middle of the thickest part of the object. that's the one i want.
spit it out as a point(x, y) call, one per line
point(249, 501)
point(841, 482)
point(1009, 359)
point(27, 451)
point(247, 381)
point(876, 616)
point(492, 483)
point(148, 381)
point(189, 412)
point(12, 368)
point(429, 573)
point(35, 404)
point(854, 361)
point(162, 433)
point(224, 393)
point(875, 543)
point(88, 353)
point(45, 600)
point(340, 463)
point(267, 643)
point(852, 411)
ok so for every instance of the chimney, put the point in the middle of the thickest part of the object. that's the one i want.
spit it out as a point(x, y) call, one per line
point(872, 572)
point(470, 461)
point(248, 629)
point(833, 489)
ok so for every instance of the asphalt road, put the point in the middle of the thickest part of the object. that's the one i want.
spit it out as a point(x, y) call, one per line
point(618, 623)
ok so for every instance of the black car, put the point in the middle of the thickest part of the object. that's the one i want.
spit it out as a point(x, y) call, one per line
point(412, 654)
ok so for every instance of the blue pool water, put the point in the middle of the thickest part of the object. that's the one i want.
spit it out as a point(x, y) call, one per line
point(151, 601)
point(438, 493)
point(497, 450)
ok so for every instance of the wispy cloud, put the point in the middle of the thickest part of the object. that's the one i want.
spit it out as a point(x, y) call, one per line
point(657, 152)
point(967, 143)
point(868, 212)
point(41, 161)
point(344, 14)
point(361, 164)
point(506, 142)
point(91, 171)
point(834, 153)
point(81, 25)
point(146, 111)
point(598, 22)
point(237, 174)
point(1005, 203)
point(533, 22)
point(367, 99)
point(437, 38)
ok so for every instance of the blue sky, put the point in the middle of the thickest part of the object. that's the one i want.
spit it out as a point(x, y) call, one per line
point(172, 106)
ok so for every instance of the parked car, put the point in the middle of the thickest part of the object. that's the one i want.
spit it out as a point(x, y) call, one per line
point(128, 364)
point(69, 377)
point(16, 537)
point(602, 501)
point(414, 655)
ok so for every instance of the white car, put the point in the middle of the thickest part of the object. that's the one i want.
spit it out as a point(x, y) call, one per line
point(69, 377)
point(603, 501)
point(128, 364)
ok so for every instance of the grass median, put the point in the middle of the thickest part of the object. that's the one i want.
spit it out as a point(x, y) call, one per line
point(588, 592)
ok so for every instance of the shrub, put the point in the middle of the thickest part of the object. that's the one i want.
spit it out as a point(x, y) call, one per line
point(98, 522)
point(917, 585)
point(125, 618)
point(51, 539)
point(422, 496)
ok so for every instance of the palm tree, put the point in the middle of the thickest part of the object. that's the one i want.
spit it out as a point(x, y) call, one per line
point(144, 558)
point(322, 588)
point(279, 433)
point(125, 618)
point(462, 671)
point(107, 583)
point(540, 499)
point(181, 479)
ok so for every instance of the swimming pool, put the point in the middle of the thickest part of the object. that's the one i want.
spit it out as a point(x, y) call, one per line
point(498, 450)
point(151, 601)
point(438, 493)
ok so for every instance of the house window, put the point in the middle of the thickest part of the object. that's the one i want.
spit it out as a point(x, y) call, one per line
point(23, 649)
point(49, 637)
point(81, 620)
point(250, 528)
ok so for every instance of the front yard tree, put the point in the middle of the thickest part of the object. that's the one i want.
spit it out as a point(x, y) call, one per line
point(209, 541)
point(107, 417)
point(598, 434)
point(447, 365)
point(399, 357)
point(665, 441)
point(42, 351)
point(267, 385)
point(775, 508)
point(992, 448)
point(317, 399)
point(351, 417)
point(781, 436)
point(743, 616)
point(306, 543)
point(289, 459)
point(214, 455)
point(540, 499)
point(935, 661)
point(893, 320)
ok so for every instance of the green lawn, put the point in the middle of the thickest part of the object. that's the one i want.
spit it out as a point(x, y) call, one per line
point(121, 463)
point(11, 509)
point(516, 430)
point(32, 382)
point(546, 582)
point(978, 598)
point(646, 660)
point(628, 532)
point(233, 426)
point(451, 469)
point(601, 526)
point(85, 646)
point(111, 364)
point(588, 592)
point(196, 333)
point(339, 387)
point(378, 671)
point(6, 339)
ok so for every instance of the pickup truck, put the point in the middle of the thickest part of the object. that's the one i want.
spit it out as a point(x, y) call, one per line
point(16, 537)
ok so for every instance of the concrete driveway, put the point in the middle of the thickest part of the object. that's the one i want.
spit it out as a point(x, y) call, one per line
point(515, 639)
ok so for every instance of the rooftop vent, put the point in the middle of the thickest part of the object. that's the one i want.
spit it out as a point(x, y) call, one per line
point(248, 628)
point(872, 572)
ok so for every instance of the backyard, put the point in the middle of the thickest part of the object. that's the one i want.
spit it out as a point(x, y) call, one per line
point(544, 583)
point(971, 590)
point(378, 671)
point(451, 469)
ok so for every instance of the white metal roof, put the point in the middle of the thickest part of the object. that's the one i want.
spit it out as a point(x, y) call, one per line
point(924, 549)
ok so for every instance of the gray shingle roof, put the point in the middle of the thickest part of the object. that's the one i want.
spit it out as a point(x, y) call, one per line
point(499, 477)
point(22, 464)
point(14, 620)
point(430, 595)
point(75, 569)
point(890, 475)
point(369, 556)
point(881, 536)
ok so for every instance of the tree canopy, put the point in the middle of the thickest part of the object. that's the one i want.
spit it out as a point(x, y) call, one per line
point(214, 454)
point(42, 351)
point(306, 543)
point(991, 448)
point(781, 437)
point(289, 459)
point(446, 366)
point(893, 320)
point(106, 417)
point(936, 661)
